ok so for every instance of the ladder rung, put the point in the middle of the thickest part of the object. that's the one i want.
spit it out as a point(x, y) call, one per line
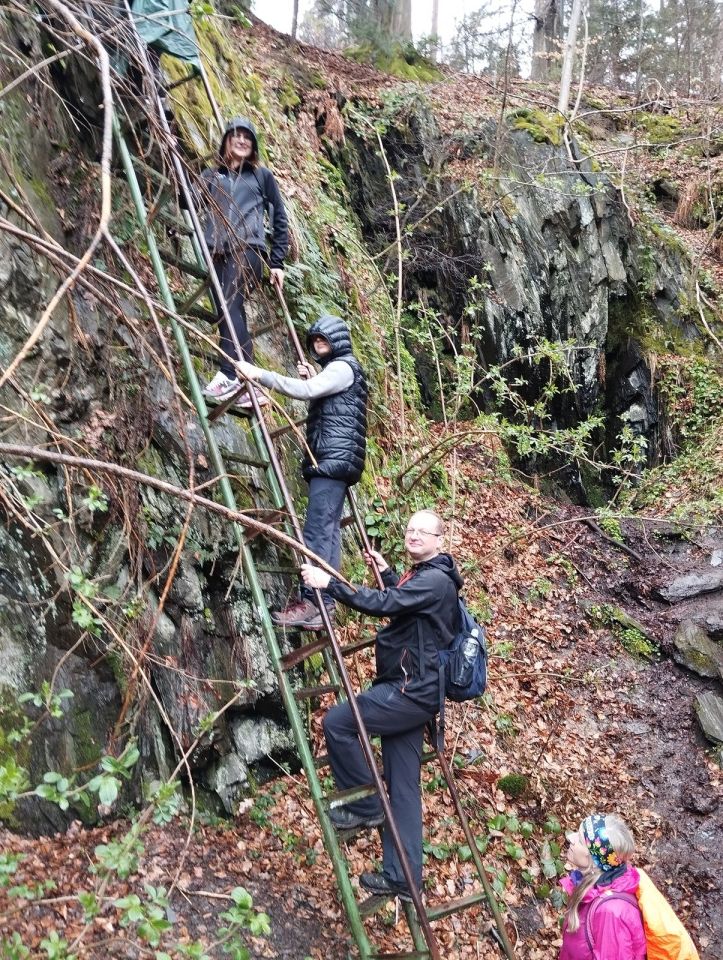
point(346, 521)
point(307, 693)
point(290, 660)
point(287, 428)
point(184, 265)
point(197, 293)
point(244, 458)
point(177, 83)
point(321, 761)
point(372, 904)
point(200, 313)
point(269, 517)
point(153, 175)
point(428, 757)
point(414, 955)
point(454, 906)
point(227, 406)
point(340, 797)
point(266, 568)
point(180, 226)
point(357, 645)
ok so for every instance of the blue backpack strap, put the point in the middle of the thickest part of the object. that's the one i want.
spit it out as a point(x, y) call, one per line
point(595, 906)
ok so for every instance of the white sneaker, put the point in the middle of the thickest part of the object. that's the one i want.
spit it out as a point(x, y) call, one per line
point(245, 402)
point(221, 387)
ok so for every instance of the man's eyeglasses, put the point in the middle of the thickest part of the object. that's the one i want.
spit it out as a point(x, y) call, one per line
point(424, 533)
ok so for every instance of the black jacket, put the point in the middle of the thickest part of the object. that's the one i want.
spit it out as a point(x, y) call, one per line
point(336, 426)
point(235, 204)
point(424, 615)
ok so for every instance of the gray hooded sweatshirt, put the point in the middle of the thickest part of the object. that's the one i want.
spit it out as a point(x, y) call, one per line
point(236, 201)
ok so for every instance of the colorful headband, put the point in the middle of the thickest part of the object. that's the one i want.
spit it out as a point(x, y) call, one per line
point(598, 842)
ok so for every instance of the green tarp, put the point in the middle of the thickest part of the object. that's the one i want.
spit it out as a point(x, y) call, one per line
point(166, 25)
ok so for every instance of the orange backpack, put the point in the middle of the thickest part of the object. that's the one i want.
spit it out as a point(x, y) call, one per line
point(665, 935)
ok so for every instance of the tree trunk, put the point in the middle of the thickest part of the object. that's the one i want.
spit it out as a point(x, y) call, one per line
point(547, 18)
point(569, 57)
point(402, 20)
point(434, 49)
point(295, 20)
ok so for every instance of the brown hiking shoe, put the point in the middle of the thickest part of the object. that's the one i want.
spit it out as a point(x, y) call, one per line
point(300, 615)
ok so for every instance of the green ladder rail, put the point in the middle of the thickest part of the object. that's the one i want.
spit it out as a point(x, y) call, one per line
point(323, 802)
point(418, 917)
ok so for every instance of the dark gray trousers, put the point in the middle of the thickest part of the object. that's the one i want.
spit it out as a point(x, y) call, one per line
point(400, 722)
point(322, 533)
point(238, 274)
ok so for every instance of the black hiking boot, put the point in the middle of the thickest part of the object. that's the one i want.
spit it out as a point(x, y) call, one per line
point(344, 819)
point(379, 885)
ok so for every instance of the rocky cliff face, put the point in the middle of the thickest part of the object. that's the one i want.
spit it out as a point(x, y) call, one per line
point(554, 254)
point(544, 249)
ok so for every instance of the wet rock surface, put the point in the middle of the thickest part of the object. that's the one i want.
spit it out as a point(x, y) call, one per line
point(709, 708)
point(694, 649)
point(692, 585)
point(561, 263)
point(98, 377)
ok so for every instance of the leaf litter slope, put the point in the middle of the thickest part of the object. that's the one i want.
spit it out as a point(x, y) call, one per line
point(588, 725)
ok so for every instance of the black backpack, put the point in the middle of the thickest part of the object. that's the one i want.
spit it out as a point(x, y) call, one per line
point(462, 666)
point(464, 662)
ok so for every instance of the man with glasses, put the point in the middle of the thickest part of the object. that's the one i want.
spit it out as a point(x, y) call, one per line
point(423, 618)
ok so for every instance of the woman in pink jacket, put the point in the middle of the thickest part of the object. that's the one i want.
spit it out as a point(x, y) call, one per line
point(602, 921)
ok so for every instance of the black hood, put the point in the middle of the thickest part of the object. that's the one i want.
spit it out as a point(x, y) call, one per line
point(238, 123)
point(334, 330)
point(445, 563)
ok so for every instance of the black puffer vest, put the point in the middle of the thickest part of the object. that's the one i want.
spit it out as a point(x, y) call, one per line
point(336, 426)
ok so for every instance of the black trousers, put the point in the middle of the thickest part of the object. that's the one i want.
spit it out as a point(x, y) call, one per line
point(322, 532)
point(238, 274)
point(400, 722)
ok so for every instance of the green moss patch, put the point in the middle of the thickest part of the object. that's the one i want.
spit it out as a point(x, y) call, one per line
point(543, 127)
point(660, 128)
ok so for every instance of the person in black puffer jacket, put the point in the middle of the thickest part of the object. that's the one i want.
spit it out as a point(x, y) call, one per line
point(236, 195)
point(336, 428)
point(423, 618)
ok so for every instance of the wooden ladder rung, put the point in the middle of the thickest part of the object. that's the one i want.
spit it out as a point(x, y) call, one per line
point(180, 226)
point(340, 797)
point(265, 328)
point(287, 428)
point(245, 459)
point(200, 290)
point(269, 517)
point(306, 650)
point(357, 645)
point(308, 693)
point(200, 313)
point(454, 906)
point(373, 904)
point(148, 171)
point(185, 266)
point(218, 408)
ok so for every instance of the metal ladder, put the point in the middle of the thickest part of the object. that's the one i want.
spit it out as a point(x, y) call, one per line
point(417, 915)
